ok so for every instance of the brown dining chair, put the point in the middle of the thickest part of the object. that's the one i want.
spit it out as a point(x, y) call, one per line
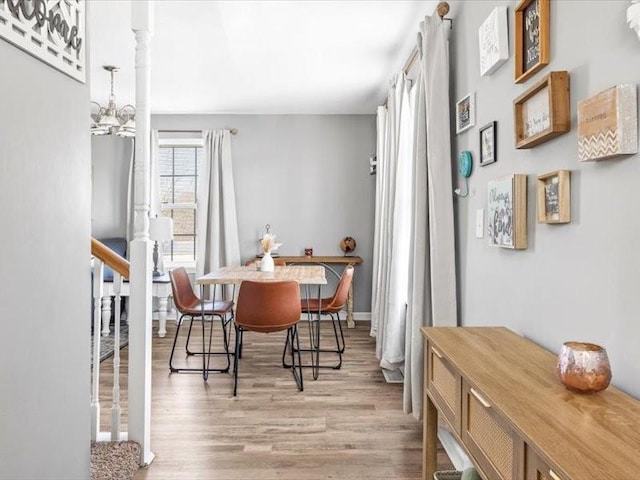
point(330, 306)
point(190, 306)
point(268, 307)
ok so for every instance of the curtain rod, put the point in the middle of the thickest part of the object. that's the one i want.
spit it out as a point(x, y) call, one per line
point(232, 130)
point(442, 9)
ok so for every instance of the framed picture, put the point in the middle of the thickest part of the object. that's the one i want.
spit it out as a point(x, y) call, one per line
point(488, 152)
point(608, 124)
point(532, 38)
point(493, 40)
point(465, 113)
point(554, 197)
point(542, 112)
point(507, 212)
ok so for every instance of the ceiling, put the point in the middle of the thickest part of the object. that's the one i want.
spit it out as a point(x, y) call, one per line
point(257, 57)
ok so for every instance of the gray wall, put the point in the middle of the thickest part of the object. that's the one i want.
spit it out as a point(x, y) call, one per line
point(45, 295)
point(305, 175)
point(111, 157)
point(577, 281)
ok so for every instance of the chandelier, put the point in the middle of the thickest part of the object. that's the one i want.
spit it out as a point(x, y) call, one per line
point(110, 120)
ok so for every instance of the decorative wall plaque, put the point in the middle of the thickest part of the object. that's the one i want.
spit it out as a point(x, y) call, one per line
point(50, 30)
point(507, 212)
point(542, 112)
point(494, 41)
point(553, 197)
point(531, 37)
point(608, 124)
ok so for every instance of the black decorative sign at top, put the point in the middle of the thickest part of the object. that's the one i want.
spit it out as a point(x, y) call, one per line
point(531, 33)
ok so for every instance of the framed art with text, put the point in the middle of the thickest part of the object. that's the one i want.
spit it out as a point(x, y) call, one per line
point(507, 212)
point(608, 124)
point(542, 112)
point(493, 39)
point(465, 113)
point(531, 38)
point(53, 31)
point(554, 197)
point(488, 135)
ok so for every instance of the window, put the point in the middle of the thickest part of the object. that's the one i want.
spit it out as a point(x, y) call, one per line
point(179, 164)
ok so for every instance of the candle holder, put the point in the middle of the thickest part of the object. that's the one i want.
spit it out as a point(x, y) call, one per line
point(584, 367)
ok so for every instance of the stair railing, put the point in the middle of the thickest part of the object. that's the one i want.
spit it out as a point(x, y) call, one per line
point(103, 255)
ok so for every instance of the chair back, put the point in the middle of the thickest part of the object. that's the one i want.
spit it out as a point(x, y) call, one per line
point(183, 296)
point(268, 306)
point(342, 290)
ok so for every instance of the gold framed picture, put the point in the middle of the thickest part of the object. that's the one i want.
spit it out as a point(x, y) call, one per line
point(543, 112)
point(532, 38)
point(554, 197)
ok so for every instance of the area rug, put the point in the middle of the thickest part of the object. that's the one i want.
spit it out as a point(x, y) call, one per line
point(114, 460)
point(107, 343)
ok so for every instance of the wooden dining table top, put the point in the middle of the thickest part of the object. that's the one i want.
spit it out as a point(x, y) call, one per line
point(303, 274)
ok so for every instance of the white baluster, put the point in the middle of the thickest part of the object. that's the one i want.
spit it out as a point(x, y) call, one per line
point(115, 408)
point(95, 386)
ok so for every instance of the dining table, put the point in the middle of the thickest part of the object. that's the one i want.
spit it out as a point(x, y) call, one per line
point(307, 276)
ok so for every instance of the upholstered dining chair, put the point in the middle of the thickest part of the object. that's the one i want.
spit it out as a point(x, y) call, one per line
point(331, 306)
point(190, 306)
point(268, 307)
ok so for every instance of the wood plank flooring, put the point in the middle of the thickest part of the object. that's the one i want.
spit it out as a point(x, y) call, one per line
point(348, 424)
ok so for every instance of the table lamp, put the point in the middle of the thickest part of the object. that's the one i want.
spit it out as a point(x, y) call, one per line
point(160, 230)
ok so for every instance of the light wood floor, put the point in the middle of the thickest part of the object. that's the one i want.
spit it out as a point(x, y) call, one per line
point(348, 424)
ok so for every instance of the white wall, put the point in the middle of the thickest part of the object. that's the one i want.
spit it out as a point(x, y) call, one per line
point(577, 281)
point(45, 283)
point(305, 175)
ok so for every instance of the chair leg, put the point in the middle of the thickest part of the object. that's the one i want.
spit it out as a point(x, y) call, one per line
point(186, 346)
point(236, 352)
point(175, 340)
point(293, 331)
point(341, 345)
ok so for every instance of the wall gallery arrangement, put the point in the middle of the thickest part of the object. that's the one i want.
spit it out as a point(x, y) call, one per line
point(607, 122)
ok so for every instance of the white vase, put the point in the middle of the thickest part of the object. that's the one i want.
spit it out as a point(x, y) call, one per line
point(267, 263)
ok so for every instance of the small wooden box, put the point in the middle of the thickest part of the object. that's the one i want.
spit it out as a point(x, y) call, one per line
point(608, 124)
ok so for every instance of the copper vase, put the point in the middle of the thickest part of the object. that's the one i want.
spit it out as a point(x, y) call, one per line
point(584, 367)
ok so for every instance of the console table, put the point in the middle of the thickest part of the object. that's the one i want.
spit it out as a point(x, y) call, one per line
point(160, 289)
point(499, 395)
point(328, 261)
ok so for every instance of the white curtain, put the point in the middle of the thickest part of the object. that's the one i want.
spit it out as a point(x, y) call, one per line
point(391, 250)
point(432, 279)
point(217, 241)
point(414, 282)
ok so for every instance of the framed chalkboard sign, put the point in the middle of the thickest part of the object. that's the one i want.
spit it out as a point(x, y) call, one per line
point(532, 38)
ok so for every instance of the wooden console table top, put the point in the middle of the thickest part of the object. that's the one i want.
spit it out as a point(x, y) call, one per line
point(588, 436)
point(338, 259)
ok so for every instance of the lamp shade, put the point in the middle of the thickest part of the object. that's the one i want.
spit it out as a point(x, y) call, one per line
point(161, 228)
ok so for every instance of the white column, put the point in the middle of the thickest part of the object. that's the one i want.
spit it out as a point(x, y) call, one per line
point(140, 249)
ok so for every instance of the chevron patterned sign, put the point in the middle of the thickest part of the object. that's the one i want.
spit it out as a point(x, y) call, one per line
point(608, 124)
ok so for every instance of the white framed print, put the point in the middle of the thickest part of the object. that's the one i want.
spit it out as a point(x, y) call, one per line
point(465, 113)
point(493, 40)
